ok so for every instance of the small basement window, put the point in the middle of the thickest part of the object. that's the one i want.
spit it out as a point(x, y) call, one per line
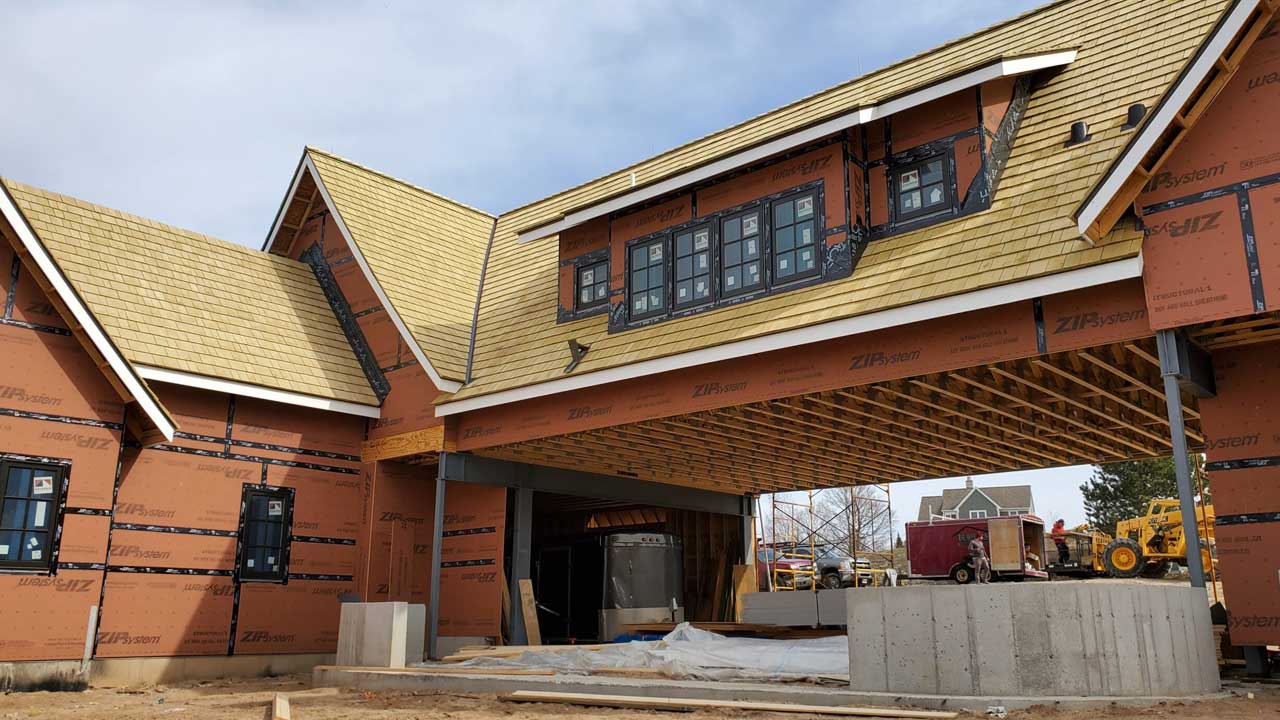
point(923, 188)
point(693, 266)
point(592, 285)
point(264, 539)
point(740, 254)
point(647, 291)
point(27, 514)
point(795, 247)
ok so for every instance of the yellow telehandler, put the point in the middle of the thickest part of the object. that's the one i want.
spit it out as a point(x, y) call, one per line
point(1143, 545)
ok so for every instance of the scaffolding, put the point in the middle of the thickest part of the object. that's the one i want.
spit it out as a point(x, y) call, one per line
point(861, 529)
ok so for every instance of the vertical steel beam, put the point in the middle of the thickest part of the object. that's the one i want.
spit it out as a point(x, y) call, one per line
point(521, 559)
point(748, 523)
point(1170, 369)
point(437, 539)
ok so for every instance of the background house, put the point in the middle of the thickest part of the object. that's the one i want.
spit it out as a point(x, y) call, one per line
point(971, 501)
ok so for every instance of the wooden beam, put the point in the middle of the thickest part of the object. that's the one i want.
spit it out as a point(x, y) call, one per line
point(529, 607)
point(418, 442)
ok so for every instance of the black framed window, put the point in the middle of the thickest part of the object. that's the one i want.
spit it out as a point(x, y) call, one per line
point(922, 188)
point(264, 541)
point(28, 510)
point(741, 253)
point(647, 289)
point(692, 266)
point(795, 238)
point(592, 285)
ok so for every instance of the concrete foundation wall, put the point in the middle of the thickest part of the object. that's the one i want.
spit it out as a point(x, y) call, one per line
point(1041, 639)
point(794, 607)
point(133, 672)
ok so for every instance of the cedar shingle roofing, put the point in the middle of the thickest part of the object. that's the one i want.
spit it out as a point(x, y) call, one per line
point(425, 250)
point(1128, 52)
point(178, 300)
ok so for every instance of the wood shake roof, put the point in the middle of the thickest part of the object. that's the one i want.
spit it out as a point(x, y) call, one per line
point(425, 250)
point(178, 300)
point(1129, 51)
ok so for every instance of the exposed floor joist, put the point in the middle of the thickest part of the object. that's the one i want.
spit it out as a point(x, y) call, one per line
point(1101, 404)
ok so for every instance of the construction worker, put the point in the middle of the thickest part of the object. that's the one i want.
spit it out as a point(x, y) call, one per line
point(978, 558)
point(1059, 534)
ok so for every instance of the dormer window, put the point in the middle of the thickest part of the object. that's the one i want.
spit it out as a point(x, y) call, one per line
point(795, 247)
point(646, 288)
point(741, 249)
point(592, 288)
point(923, 188)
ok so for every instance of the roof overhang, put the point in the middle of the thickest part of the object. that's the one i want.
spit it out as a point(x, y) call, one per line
point(918, 312)
point(308, 166)
point(89, 327)
point(1003, 67)
point(204, 382)
point(1209, 57)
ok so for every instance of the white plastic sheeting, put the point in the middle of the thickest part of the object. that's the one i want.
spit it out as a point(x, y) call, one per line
point(687, 652)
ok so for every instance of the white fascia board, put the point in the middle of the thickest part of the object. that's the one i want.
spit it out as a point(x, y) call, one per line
point(231, 387)
point(992, 71)
point(905, 315)
point(443, 385)
point(97, 335)
point(284, 205)
point(1164, 115)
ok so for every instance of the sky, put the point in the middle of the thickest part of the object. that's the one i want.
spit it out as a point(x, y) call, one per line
point(196, 113)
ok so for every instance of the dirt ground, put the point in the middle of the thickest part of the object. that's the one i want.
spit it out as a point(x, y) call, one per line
point(227, 699)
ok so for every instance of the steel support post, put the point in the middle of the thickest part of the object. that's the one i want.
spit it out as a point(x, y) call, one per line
point(521, 559)
point(433, 604)
point(1170, 369)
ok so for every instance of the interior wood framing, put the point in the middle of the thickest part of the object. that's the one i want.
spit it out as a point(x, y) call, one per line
point(1096, 405)
point(1235, 332)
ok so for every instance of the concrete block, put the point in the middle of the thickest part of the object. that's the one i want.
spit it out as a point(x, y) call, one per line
point(373, 634)
point(953, 641)
point(415, 645)
point(909, 639)
point(1031, 645)
point(795, 608)
point(1090, 655)
point(867, 660)
point(1128, 647)
point(833, 607)
point(992, 634)
point(1065, 663)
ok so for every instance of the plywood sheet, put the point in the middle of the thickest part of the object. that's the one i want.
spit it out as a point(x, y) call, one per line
point(93, 453)
point(158, 487)
point(1004, 543)
point(934, 120)
point(650, 220)
point(46, 618)
point(382, 336)
point(51, 374)
point(997, 95)
point(301, 617)
point(198, 412)
point(172, 550)
point(1194, 264)
point(1246, 490)
point(1096, 316)
point(30, 304)
point(261, 421)
point(585, 238)
point(822, 164)
point(314, 558)
point(1249, 557)
point(84, 538)
point(327, 504)
point(408, 407)
point(968, 155)
point(1264, 205)
point(146, 615)
point(1240, 421)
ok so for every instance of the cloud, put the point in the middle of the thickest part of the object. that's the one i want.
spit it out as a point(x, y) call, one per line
point(195, 113)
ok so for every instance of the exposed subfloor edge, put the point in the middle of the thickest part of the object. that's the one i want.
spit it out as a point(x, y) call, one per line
point(400, 680)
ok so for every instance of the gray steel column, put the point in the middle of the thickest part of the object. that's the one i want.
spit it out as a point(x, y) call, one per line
point(521, 559)
point(433, 604)
point(1170, 370)
point(748, 527)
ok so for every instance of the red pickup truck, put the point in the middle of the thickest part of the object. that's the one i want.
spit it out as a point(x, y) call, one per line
point(939, 549)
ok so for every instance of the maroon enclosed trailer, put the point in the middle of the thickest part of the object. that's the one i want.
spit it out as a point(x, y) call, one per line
point(939, 549)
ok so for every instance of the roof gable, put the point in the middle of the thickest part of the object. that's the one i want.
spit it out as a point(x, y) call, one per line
point(422, 252)
point(178, 301)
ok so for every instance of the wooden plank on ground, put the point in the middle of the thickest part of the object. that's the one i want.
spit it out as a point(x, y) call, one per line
point(514, 650)
point(437, 670)
point(684, 704)
point(279, 709)
point(529, 607)
point(744, 581)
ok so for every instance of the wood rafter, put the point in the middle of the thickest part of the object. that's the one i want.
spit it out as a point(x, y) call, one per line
point(1100, 404)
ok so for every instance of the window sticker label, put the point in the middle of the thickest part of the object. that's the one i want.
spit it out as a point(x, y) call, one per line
point(701, 239)
point(804, 207)
point(249, 562)
point(655, 253)
point(783, 263)
point(702, 262)
point(42, 485)
point(586, 294)
point(275, 507)
point(588, 276)
point(4, 549)
point(40, 511)
point(806, 236)
point(910, 179)
point(36, 554)
point(684, 293)
point(700, 287)
point(729, 281)
point(751, 247)
point(750, 224)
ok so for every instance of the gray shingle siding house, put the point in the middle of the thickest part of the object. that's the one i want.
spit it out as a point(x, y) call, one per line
point(973, 502)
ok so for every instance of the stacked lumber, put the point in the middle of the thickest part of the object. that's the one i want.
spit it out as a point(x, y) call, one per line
point(688, 704)
point(470, 652)
point(776, 632)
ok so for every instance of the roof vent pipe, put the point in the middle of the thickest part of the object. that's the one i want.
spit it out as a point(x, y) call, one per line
point(1079, 133)
point(1137, 111)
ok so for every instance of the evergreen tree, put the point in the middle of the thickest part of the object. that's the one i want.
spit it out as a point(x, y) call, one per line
point(1122, 490)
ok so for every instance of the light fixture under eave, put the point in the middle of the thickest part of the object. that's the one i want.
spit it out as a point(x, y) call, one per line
point(577, 351)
